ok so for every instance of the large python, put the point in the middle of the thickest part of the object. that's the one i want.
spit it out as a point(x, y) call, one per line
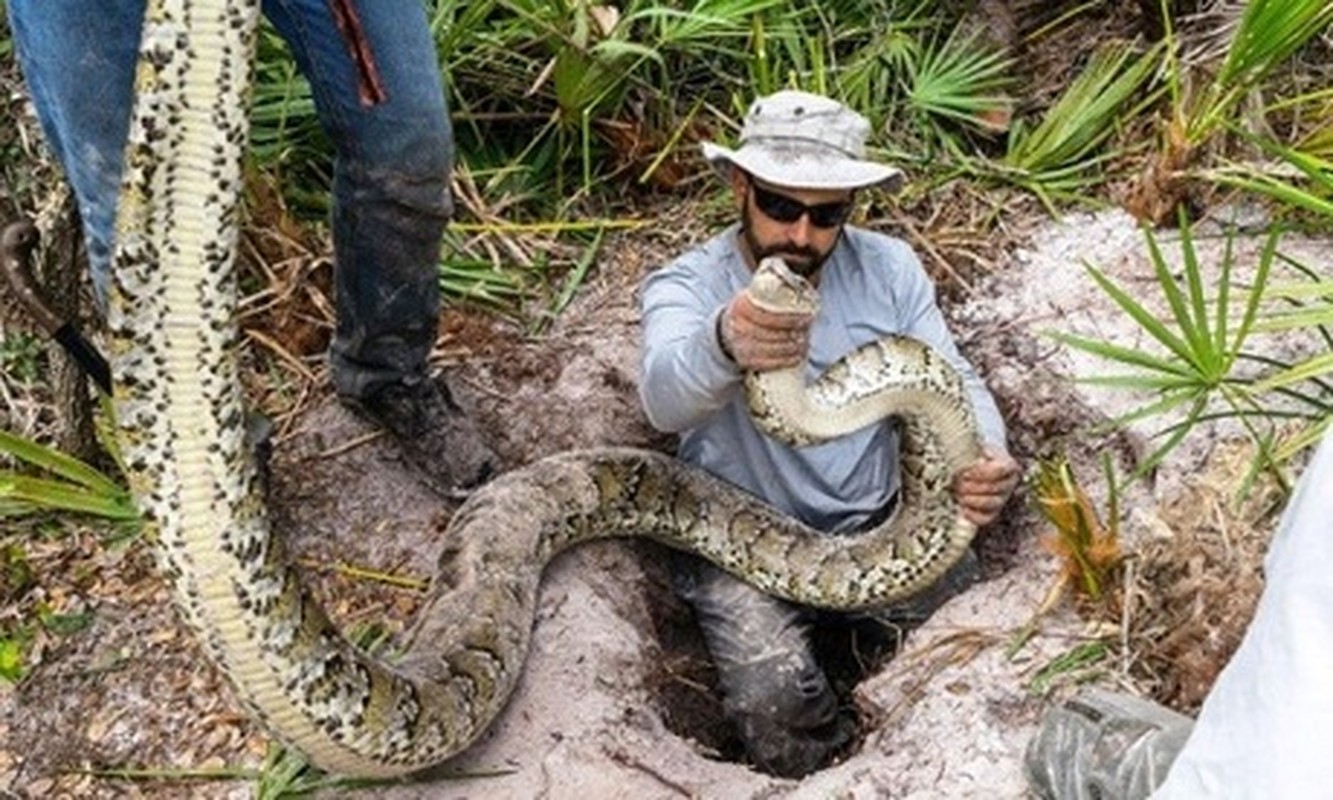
point(179, 409)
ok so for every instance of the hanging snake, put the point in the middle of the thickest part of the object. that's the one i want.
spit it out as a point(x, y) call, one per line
point(179, 408)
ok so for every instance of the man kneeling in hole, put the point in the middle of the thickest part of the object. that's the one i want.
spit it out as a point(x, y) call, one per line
point(794, 178)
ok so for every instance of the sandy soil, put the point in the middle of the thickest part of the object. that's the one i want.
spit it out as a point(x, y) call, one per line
point(616, 700)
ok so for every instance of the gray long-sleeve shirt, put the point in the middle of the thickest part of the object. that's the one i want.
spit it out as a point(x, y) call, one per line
point(870, 286)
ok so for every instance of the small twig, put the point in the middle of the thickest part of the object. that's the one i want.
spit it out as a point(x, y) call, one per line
point(287, 421)
point(481, 387)
point(282, 353)
point(347, 446)
point(935, 253)
point(624, 759)
point(367, 574)
point(692, 684)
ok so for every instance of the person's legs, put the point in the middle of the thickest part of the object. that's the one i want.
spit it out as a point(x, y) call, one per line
point(378, 88)
point(78, 62)
point(774, 692)
point(385, 115)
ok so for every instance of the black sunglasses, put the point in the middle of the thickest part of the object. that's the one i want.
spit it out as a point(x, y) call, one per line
point(781, 208)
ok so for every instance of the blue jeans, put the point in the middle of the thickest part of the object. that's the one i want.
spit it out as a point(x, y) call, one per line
point(385, 114)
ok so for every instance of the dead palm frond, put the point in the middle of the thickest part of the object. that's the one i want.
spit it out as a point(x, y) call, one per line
point(1088, 548)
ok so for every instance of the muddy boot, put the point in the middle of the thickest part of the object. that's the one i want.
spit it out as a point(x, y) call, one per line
point(1104, 746)
point(786, 715)
point(791, 753)
point(435, 435)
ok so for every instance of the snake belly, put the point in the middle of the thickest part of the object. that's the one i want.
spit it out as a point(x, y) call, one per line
point(178, 403)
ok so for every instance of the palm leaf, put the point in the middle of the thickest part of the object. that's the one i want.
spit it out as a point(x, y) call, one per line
point(1279, 183)
point(1205, 339)
point(1308, 369)
point(1193, 338)
point(1157, 384)
point(57, 463)
point(1269, 32)
point(1256, 290)
point(1275, 187)
point(1125, 355)
point(27, 493)
point(958, 79)
point(1084, 116)
point(1290, 320)
point(1145, 318)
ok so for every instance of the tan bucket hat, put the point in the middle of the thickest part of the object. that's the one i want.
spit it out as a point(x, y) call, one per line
point(804, 141)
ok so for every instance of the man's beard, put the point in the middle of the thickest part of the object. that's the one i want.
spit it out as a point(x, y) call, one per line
point(804, 261)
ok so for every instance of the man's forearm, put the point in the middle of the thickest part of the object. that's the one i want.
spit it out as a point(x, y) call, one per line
point(686, 377)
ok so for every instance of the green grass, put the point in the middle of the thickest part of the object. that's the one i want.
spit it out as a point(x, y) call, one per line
point(58, 482)
point(1058, 157)
point(1082, 663)
point(22, 356)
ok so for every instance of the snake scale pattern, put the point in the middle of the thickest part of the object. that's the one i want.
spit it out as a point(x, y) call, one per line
point(179, 407)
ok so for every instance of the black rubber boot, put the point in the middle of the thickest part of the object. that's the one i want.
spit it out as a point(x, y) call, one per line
point(441, 441)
